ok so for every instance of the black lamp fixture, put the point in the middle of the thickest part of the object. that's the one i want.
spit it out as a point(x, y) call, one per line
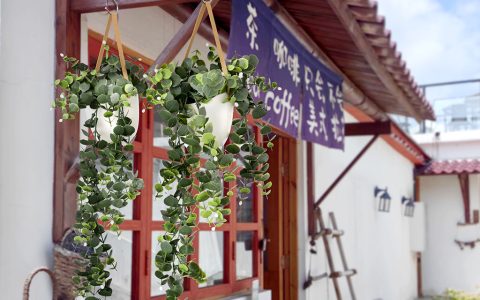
point(384, 199)
point(409, 206)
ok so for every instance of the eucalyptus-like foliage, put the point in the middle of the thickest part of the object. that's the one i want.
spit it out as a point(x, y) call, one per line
point(107, 180)
point(193, 179)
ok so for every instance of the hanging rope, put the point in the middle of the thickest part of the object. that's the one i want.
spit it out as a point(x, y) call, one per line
point(112, 18)
point(206, 5)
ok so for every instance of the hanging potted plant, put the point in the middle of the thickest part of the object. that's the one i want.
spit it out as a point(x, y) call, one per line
point(107, 179)
point(199, 164)
point(196, 101)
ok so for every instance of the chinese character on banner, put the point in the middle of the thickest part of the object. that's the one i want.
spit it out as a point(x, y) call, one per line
point(337, 128)
point(281, 53)
point(252, 26)
point(308, 77)
point(312, 121)
point(319, 86)
point(323, 128)
point(332, 95)
point(294, 68)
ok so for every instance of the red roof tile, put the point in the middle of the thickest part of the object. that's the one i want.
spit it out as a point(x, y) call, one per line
point(453, 167)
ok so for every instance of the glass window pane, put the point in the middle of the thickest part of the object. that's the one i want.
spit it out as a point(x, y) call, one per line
point(159, 139)
point(158, 204)
point(122, 276)
point(211, 256)
point(245, 202)
point(244, 255)
point(156, 288)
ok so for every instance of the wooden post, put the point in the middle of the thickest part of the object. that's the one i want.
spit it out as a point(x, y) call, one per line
point(67, 134)
point(416, 187)
point(311, 188)
point(464, 187)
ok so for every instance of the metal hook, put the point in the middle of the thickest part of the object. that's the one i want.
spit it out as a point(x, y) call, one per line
point(115, 2)
point(206, 1)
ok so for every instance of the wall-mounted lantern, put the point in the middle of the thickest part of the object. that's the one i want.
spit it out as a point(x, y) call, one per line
point(383, 200)
point(409, 206)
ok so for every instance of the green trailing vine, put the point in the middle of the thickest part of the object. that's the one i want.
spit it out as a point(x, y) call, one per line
point(107, 180)
point(193, 179)
point(199, 168)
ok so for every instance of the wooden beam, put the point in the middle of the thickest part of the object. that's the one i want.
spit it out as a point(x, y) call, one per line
point(180, 39)
point(465, 189)
point(87, 6)
point(67, 134)
point(358, 36)
point(345, 171)
point(368, 128)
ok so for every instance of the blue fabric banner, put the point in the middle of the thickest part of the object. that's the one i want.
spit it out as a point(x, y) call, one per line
point(308, 103)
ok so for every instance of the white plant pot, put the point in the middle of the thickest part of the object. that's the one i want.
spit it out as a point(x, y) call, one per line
point(105, 125)
point(219, 112)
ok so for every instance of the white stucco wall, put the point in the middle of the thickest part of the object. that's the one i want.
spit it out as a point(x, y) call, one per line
point(26, 152)
point(444, 264)
point(140, 30)
point(376, 244)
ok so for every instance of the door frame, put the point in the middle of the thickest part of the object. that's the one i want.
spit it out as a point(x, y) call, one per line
point(281, 222)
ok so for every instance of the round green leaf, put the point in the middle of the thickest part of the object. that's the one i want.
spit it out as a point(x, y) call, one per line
point(258, 112)
point(118, 130)
point(233, 148)
point(172, 106)
point(166, 247)
point(186, 230)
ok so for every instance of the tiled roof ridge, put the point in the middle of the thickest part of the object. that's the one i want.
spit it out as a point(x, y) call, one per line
point(453, 166)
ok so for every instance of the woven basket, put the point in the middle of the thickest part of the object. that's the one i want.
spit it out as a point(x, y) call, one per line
point(67, 263)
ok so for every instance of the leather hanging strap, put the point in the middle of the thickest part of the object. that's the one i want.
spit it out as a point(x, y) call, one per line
point(208, 6)
point(112, 18)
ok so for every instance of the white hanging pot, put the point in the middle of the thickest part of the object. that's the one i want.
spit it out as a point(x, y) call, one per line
point(219, 112)
point(105, 125)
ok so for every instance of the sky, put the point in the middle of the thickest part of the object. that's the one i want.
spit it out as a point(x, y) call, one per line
point(439, 40)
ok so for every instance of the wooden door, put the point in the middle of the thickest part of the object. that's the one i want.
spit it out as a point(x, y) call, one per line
point(280, 218)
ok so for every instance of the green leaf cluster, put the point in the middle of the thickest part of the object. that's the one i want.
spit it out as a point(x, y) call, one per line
point(200, 176)
point(107, 180)
point(198, 180)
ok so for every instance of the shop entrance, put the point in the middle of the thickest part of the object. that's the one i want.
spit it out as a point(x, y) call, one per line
point(280, 221)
